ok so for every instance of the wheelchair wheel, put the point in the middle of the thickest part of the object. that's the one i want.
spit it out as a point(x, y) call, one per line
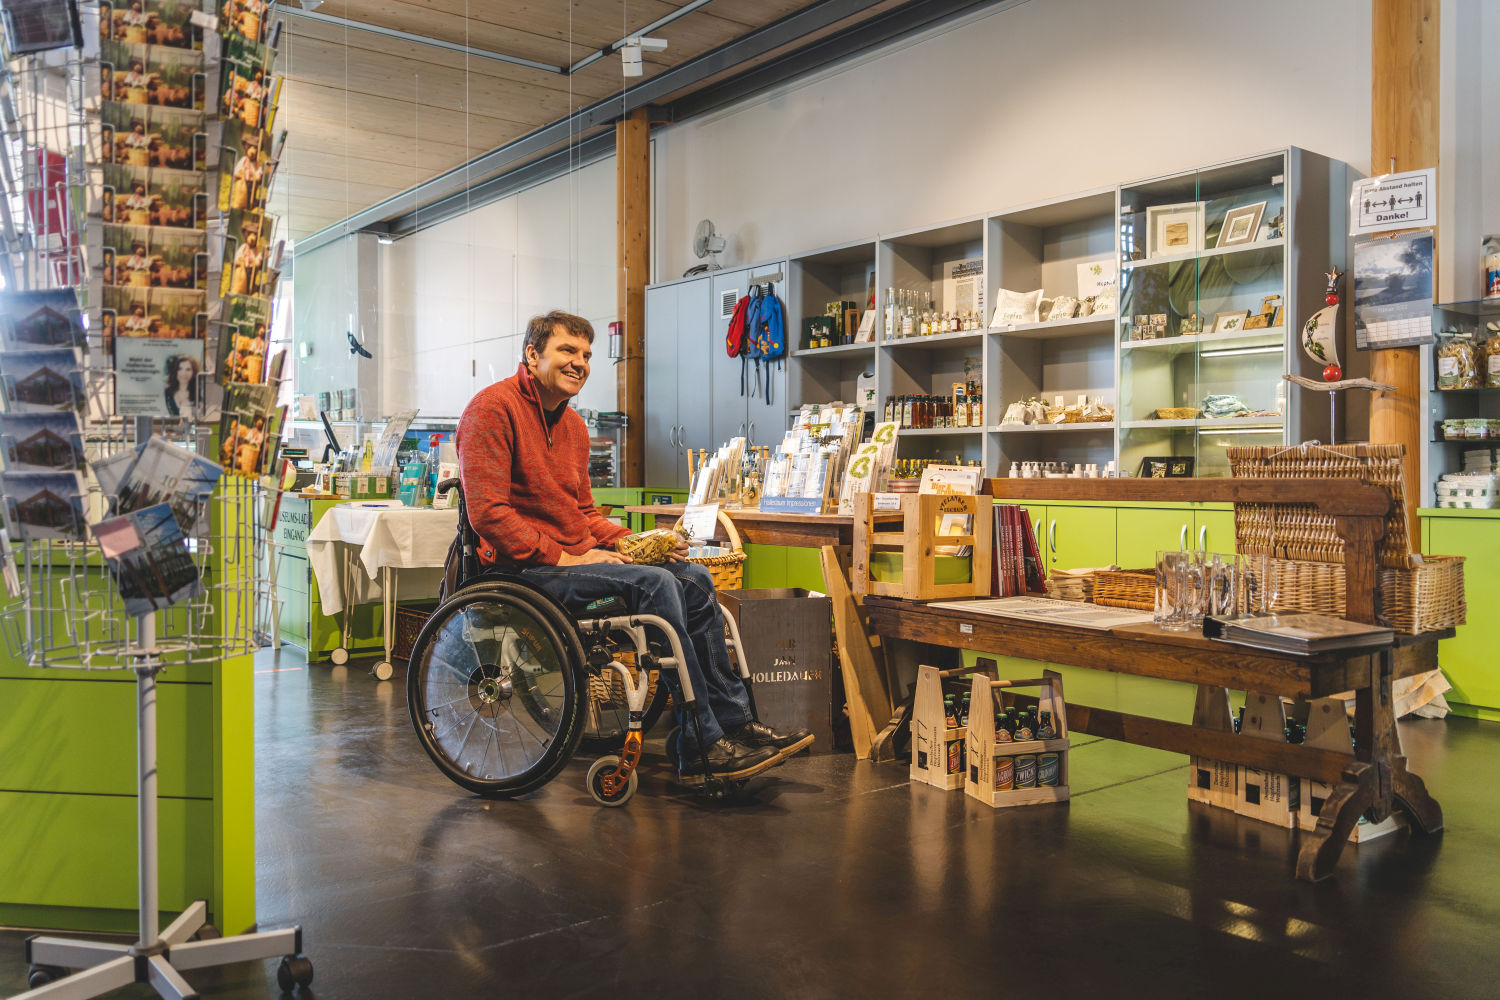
point(494, 688)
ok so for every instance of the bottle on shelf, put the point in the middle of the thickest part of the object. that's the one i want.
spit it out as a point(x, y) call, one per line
point(890, 312)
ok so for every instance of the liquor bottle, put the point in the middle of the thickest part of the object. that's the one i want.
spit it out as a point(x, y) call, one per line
point(925, 327)
point(909, 319)
point(890, 313)
point(908, 411)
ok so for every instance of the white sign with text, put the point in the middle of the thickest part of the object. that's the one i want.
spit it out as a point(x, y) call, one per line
point(1406, 200)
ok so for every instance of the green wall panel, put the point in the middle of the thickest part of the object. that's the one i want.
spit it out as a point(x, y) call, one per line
point(67, 737)
point(1220, 525)
point(80, 850)
point(765, 566)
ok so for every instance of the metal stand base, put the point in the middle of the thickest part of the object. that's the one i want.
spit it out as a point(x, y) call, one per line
point(107, 967)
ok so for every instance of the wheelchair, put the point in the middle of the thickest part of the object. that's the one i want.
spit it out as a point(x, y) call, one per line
point(505, 684)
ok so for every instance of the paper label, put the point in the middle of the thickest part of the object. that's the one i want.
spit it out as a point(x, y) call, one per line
point(1494, 363)
point(700, 520)
point(887, 501)
point(1448, 367)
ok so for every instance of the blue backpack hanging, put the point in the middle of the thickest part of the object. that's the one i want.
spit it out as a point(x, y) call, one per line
point(765, 337)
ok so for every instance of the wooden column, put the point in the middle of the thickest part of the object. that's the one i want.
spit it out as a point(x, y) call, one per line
point(1403, 136)
point(633, 252)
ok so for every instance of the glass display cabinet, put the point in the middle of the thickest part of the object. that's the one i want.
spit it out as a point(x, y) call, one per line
point(1218, 268)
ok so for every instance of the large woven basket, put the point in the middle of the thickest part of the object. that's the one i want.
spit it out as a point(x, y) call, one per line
point(1301, 531)
point(1125, 588)
point(728, 570)
point(1420, 598)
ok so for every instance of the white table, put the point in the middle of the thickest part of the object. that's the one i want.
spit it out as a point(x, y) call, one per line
point(380, 537)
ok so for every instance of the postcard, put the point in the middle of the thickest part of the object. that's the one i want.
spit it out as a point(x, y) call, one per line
point(149, 559)
point(143, 257)
point(39, 381)
point(44, 505)
point(158, 76)
point(150, 22)
point(158, 377)
point(153, 137)
point(41, 442)
point(31, 320)
point(167, 313)
point(243, 427)
point(147, 196)
point(167, 473)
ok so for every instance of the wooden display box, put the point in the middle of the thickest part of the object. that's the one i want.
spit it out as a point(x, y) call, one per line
point(937, 752)
point(988, 697)
point(1213, 782)
point(918, 543)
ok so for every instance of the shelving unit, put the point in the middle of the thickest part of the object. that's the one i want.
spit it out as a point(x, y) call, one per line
point(838, 273)
point(1041, 245)
point(1193, 287)
point(1444, 456)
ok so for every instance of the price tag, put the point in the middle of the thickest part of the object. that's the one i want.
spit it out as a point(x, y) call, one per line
point(965, 629)
point(887, 501)
point(700, 520)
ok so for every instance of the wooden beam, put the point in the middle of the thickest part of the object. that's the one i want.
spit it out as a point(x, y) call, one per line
point(1403, 136)
point(633, 227)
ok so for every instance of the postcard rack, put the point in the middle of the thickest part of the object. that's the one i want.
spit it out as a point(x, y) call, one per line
point(134, 320)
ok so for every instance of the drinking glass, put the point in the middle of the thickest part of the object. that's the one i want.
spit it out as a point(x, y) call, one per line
point(1195, 586)
point(1225, 585)
point(1259, 586)
point(1173, 608)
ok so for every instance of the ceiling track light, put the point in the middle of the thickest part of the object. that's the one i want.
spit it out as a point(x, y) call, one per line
point(630, 53)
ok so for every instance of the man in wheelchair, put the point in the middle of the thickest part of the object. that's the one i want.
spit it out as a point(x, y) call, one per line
point(524, 467)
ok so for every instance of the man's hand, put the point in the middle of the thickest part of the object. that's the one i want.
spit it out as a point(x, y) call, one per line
point(679, 551)
point(592, 556)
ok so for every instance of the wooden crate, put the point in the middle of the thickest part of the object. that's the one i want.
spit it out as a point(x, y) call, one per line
point(937, 751)
point(918, 543)
point(989, 696)
point(1268, 796)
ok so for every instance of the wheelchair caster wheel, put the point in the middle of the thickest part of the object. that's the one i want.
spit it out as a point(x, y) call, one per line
point(383, 671)
point(596, 783)
point(40, 975)
point(294, 971)
point(339, 657)
point(674, 746)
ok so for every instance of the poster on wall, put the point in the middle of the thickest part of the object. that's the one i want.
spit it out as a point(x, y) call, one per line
point(1393, 291)
point(158, 377)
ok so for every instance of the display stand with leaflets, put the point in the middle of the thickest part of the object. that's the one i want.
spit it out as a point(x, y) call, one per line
point(132, 530)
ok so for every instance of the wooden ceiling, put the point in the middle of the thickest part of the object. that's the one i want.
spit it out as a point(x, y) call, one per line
point(370, 116)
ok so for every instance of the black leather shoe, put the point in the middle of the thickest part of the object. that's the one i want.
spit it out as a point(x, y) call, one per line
point(726, 759)
point(757, 734)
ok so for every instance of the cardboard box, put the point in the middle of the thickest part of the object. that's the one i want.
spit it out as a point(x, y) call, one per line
point(788, 637)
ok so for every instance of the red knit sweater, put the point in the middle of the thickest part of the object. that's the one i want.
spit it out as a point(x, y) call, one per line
point(525, 475)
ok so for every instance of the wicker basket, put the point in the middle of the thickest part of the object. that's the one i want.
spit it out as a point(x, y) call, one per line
point(728, 570)
point(409, 621)
point(1125, 588)
point(1301, 531)
point(1421, 598)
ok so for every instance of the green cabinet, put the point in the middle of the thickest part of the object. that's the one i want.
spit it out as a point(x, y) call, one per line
point(1142, 532)
point(1468, 659)
point(1076, 537)
point(1213, 530)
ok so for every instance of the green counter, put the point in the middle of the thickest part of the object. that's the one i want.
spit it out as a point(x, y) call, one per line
point(1468, 659)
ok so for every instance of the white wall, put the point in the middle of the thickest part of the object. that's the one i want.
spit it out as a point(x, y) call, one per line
point(455, 298)
point(1045, 99)
point(335, 293)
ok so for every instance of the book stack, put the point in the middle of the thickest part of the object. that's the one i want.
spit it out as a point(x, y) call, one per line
point(1017, 567)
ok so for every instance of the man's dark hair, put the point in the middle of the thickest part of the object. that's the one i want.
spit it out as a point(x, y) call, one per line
point(539, 329)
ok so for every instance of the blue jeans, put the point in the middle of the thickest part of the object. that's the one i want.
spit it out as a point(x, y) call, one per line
point(683, 594)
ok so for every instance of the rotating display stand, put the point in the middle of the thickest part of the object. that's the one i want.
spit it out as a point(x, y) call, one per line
point(101, 574)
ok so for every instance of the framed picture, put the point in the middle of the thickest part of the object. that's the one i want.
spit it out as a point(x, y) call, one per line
point(1166, 467)
point(1174, 229)
point(1240, 225)
point(1229, 322)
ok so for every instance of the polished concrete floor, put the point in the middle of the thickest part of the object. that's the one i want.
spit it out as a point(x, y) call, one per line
point(838, 879)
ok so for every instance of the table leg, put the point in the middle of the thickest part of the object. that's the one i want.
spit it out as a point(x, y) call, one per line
point(1410, 793)
point(1341, 811)
point(384, 669)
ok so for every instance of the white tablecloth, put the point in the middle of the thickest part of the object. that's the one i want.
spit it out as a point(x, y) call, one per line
point(386, 534)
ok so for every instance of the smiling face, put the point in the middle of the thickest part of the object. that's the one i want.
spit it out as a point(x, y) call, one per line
point(561, 367)
point(186, 371)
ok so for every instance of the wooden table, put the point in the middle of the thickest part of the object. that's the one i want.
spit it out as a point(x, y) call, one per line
point(1372, 780)
point(766, 528)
